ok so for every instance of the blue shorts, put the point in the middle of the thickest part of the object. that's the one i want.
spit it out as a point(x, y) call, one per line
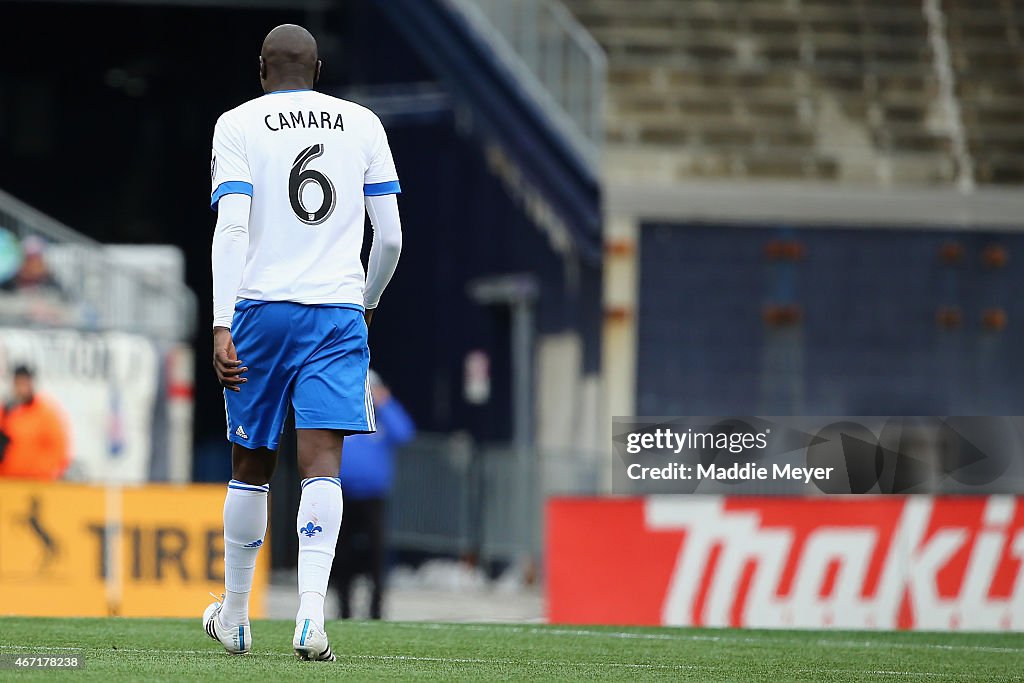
point(314, 357)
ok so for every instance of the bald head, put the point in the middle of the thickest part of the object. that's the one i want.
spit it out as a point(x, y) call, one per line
point(289, 59)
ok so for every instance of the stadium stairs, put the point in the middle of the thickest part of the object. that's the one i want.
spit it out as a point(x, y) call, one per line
point(987, 51)
point(832, 90)
point(503, 111)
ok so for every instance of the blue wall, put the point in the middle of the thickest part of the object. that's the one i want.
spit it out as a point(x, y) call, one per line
point(868, 342)
point(459, 224)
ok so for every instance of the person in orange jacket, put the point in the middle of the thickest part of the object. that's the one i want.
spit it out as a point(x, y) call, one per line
point(33, 437)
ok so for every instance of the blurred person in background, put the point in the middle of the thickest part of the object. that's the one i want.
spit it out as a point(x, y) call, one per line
point(34, 293)
point(33, 436)
point(367, 473)
point(34, 274)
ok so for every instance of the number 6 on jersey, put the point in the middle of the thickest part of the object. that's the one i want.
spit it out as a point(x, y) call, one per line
point(302, 176)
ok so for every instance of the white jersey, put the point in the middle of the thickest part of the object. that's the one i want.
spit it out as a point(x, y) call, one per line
point(306, 159)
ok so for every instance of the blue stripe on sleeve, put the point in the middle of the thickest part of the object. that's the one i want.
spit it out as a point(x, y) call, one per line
point(230, 187)
point(377, 189)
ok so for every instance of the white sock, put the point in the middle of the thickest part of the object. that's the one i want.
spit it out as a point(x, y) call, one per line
point(245, 525)
point(319, 521)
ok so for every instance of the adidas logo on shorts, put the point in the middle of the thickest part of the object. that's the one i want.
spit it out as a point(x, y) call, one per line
point(241, 432)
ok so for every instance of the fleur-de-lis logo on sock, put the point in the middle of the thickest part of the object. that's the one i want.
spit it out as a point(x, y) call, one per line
point(310, 530)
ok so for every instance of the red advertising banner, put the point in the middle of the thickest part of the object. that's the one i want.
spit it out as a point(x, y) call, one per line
point(857, 562)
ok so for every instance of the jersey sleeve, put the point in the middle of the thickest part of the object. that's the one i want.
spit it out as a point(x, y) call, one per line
point(380, 177)
point(229, 167)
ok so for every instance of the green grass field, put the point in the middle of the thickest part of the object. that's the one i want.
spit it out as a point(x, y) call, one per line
point(174, 649)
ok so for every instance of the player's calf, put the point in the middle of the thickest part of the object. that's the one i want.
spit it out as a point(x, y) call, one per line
point(318, 523)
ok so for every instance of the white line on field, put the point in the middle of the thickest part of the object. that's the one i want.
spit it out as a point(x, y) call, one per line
point(695, 637)
point(920, 646)
point(546, 663)
point(881, 672)
point(898, 673)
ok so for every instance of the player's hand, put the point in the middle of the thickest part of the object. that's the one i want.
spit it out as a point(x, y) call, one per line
point(225, 361)
point(368, 316)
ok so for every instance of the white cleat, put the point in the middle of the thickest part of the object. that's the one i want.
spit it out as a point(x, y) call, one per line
point(310, 642)
point(237, 640)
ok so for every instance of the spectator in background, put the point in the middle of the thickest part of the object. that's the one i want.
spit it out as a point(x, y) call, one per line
point(34, 275)
point(33, 438)
point(367, 472)
point(33, 293)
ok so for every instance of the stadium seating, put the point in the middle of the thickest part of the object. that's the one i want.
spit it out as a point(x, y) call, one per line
point(813, 89)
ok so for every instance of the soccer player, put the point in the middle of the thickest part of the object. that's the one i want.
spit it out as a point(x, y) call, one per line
point(292, 172)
